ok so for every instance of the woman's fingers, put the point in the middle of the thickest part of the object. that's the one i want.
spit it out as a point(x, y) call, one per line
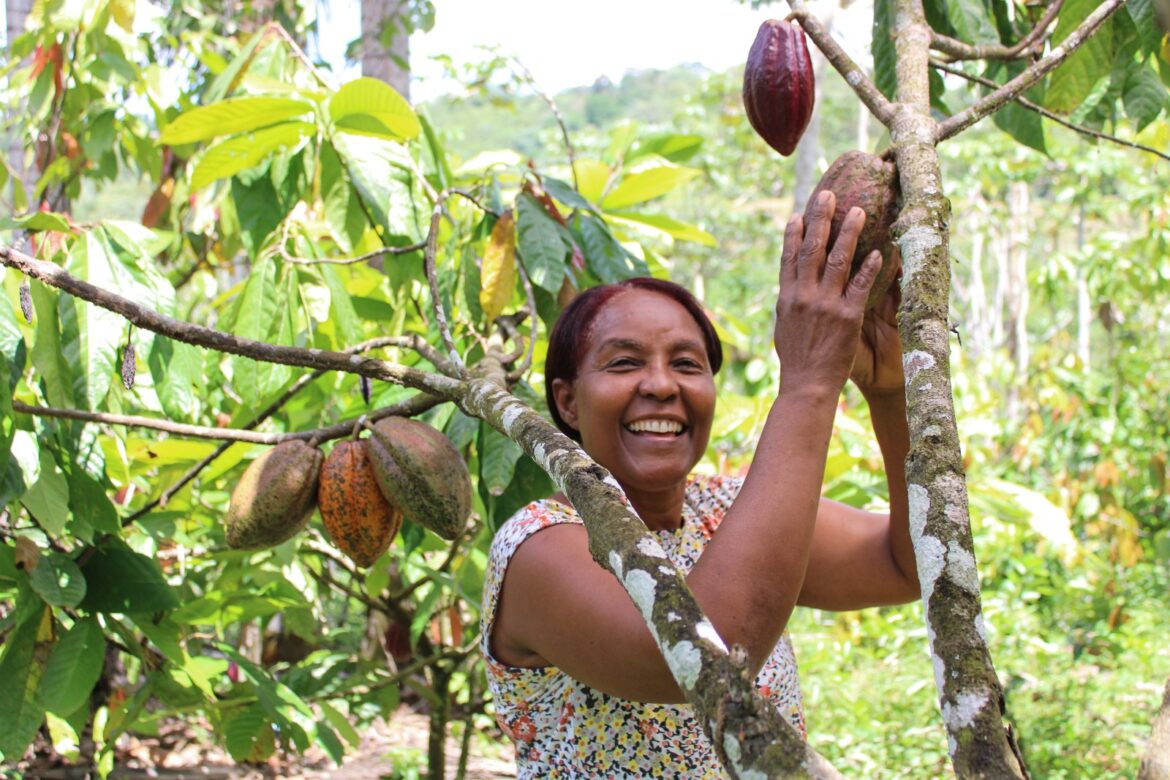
point(793, 233)
point(817, 221)
point(858, 289)
point(840, 257)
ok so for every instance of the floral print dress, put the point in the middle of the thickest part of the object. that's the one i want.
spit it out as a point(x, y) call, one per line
point(563, 728)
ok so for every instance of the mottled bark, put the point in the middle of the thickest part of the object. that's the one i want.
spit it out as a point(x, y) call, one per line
point(969, 692)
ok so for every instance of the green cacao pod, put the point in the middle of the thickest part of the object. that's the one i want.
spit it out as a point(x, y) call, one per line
point(357, 516)
point(867, 181)
point(275, 497)
point(778, 85)
point(419, 469)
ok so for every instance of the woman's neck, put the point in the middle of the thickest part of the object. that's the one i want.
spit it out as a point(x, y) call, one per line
point(660, 510)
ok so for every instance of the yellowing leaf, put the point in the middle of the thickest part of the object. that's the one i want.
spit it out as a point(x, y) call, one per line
point(498, 276)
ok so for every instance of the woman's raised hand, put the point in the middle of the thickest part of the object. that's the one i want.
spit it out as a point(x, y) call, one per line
point(820, 308)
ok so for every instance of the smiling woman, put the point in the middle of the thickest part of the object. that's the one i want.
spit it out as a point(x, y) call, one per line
point(577, 679)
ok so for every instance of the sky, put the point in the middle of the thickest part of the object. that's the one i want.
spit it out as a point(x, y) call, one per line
point(571, 44)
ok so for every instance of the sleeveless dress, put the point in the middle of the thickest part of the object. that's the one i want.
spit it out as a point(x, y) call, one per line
point(563, 728)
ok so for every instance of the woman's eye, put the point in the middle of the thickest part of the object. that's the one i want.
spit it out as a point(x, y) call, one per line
point(622, 362)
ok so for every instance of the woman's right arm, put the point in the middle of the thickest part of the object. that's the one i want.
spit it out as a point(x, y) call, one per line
point(558, 607)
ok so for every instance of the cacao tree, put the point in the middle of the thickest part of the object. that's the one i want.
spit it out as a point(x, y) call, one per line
point(248, 294)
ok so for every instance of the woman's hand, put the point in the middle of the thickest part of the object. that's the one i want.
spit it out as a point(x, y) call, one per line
point(820, 309)
point(877, 366)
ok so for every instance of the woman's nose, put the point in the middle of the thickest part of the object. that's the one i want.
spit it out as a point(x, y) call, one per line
point(657, 382)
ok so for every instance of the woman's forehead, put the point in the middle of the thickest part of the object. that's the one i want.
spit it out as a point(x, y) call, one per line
point(642, 316)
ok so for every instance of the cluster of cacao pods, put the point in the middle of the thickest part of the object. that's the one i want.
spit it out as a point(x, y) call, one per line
point(778, 85)
point(363, 488)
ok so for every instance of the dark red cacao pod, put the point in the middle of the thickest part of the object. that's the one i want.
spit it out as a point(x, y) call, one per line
point(871, 183)
point(778, 86)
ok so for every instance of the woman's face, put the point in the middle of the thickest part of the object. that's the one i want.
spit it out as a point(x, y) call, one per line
point(644, 395)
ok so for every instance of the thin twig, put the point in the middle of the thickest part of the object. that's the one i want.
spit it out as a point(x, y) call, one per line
point(854, 76)
point(190, 333)
point(432, 280)
point(530, 292)
point(445, 566)
point(960, 50)
point(299, 53)
point(1033, 73)
point(1044, 112)
point(552, 104)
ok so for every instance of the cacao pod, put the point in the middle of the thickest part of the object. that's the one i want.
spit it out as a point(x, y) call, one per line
point(419, 469)
point(778, 86)
point(867, 181)
point(358, 518)
point(275, 497)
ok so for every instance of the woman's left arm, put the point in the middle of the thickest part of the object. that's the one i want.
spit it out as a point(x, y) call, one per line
point(858, 558)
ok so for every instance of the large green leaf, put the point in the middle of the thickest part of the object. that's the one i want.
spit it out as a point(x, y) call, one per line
point(177, 370)
point(12, 347)
point(21, 669)
point(48, 352)
point(1020, 123)
point(260, 317)
point(1145, 96)
point(497, 460)
point(246, 151)
point(884, 56)
point(372, 107)
point(7, 419)
point(227, 117)
point(58, 580)
point(341, 311)
point(670, 226)
point(380, 171)
point(74, 668)
point(647, 183)
point(246, 731)
point(539, 244)
point(48, 497)
point(93, 512)
point(1075, 78)
point(970, 21)
point(675, 147)
point(121, 580)
point(604, 255)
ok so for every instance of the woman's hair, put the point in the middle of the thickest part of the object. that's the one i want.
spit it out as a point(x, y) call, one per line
point(570, 335)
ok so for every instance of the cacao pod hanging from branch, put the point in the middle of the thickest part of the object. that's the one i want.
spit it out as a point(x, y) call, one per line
point(275, 497)
point(358, 519)
point(778, 86)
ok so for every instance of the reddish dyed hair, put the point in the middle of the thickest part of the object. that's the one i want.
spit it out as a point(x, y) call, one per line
point(570, 335)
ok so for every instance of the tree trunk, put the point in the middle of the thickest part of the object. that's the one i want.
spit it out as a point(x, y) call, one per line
point(17, 15)
point(1156, 760)
point(388, 63)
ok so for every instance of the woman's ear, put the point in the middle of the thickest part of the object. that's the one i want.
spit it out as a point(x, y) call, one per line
point(566, 401)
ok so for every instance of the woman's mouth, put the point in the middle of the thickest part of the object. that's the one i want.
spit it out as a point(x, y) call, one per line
point(657, 426)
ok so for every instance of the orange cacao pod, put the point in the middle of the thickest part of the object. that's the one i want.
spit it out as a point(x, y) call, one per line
point(867, 181)
point(358, 518)
point(778, 86)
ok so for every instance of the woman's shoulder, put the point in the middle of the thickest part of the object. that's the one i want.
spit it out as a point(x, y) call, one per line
point(529, 519)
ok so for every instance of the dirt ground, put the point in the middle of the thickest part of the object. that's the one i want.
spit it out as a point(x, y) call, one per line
point(395, 750)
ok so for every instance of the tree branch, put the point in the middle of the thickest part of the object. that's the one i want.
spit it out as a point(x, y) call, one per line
point(433, 282)
point(530, 293)
point(190, 333)
point(854, 76)
point(1033, 73)
point(960, 50)
point(1044, 112)
point(556, 115)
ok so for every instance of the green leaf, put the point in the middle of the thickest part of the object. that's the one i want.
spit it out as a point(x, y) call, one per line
point(1141, 12)
point(21, 669)
point(245, 731)
point(230, 75)
point(38, 220)
point(372, 107)
point(539, 243)
point(497, 460)
point(1075, 78)
point(7, 420)
point(884, 56)
point(74, 668)
point(380, 171)
point(646, 184)
point(341, 311)
point(227, 117)
point(970, 21)
point(58, 581)
point(121, 580)
point(604, 256)
point(177, 370)
point(1020, 123)
point(674, 228)
point(1145, 96)
point(342, 205)
point(566, 194)
point(90, 505)
point(529, 483)
point(260, 317)
point(48, 352)
point(8, 571)
point(246, 151)
point(675, 147)
point(341, 723)
point(48, 497)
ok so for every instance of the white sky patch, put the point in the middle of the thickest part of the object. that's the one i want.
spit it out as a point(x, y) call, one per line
point(707, 631)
